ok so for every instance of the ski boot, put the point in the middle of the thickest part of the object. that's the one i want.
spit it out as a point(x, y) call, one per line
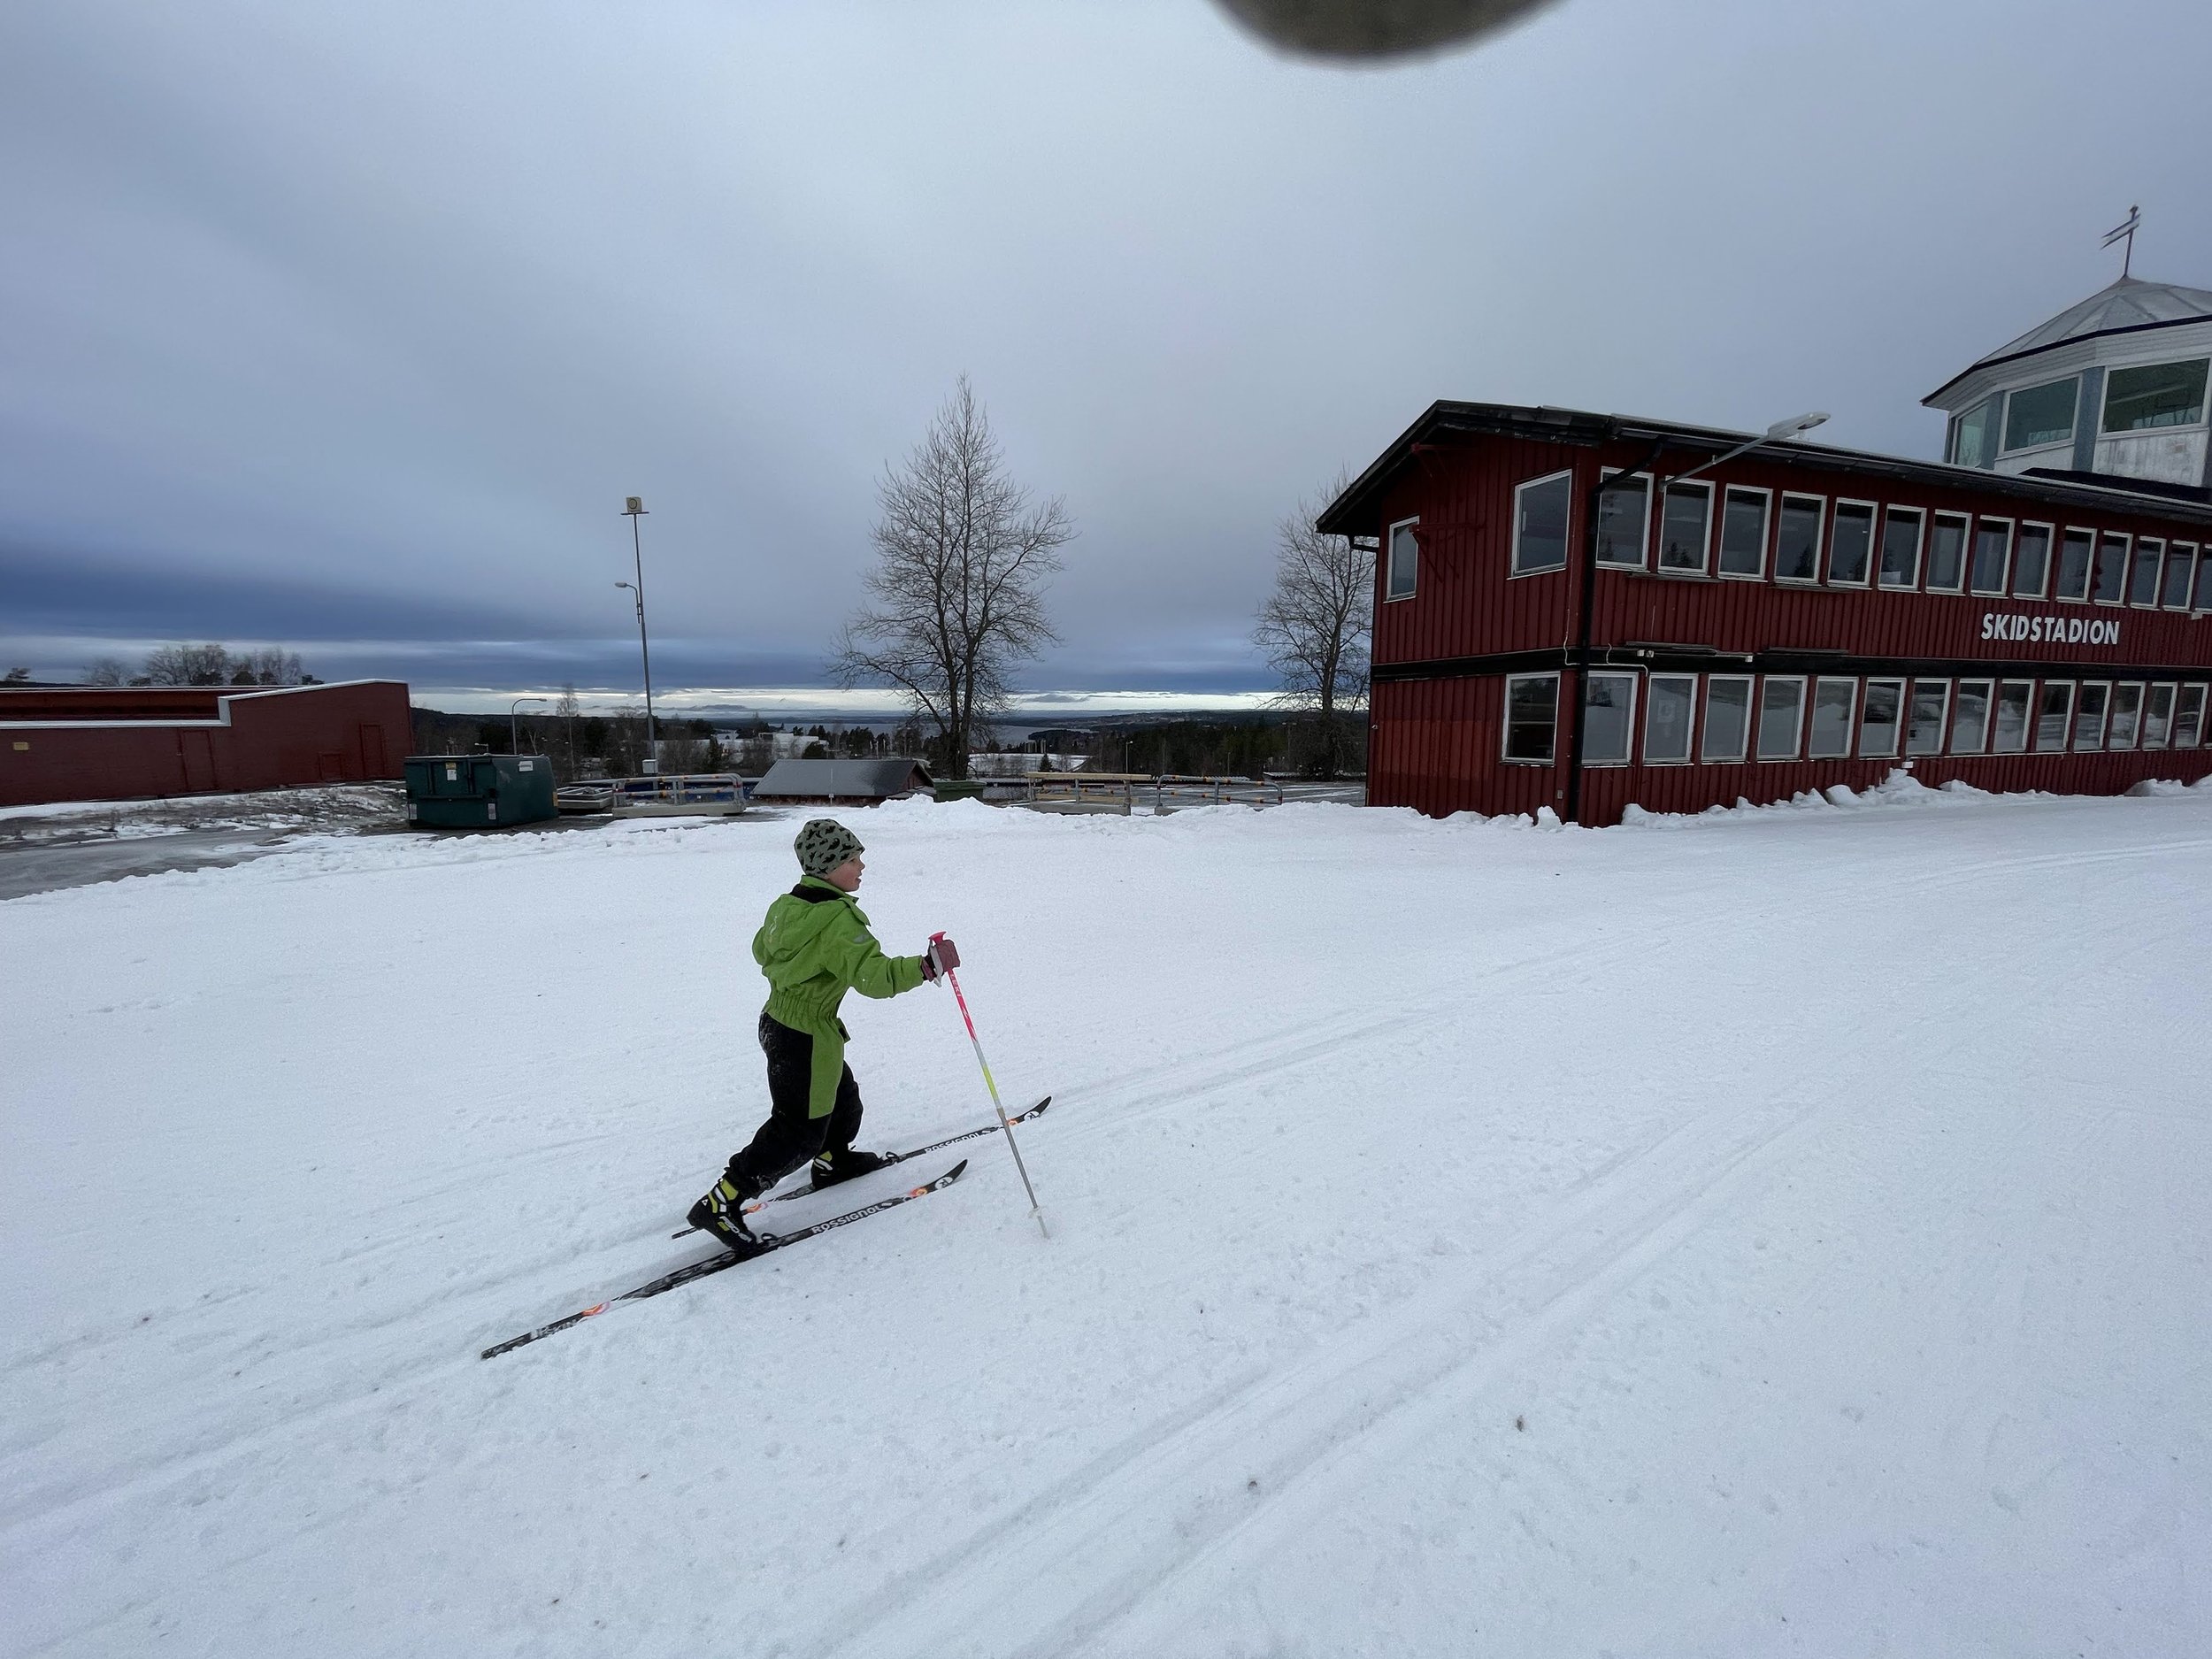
point(720, 1214)
point(842, 1163)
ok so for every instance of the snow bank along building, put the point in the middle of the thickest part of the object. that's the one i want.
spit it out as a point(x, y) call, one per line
point(2030, 613)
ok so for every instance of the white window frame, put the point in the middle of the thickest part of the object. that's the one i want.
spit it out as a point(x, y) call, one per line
point(1820, 541)
point(2181, 553)
point(1873, 542)
point(2104, 411)
point(1688, 756)
point(2196, 731)
point(1966, 551)
point(1850, 718)
point(1505, 722)
point(2135, 723)
point(2058, 561)
point(1766, 532)
point(2004, 425)
point(2104, 715)
point(1919, 545)
point(1643, 541)
point(1989, 710)
point(1590, 676)
point(1897, 731)
point(2127, 566)
point(2156, 545)
point(1983, 521)
point(2066, 723)
point(1390, 537)
point(2200, 602)
point(1758, 720)
point(1659, 535)
point(2150, 695)
point(1514, 571)
point(2050, 557)
point(1943, 720)
point(1705, 723)
point(2027, 720)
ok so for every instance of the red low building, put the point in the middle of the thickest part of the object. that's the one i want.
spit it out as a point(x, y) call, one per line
point(1792, 618)
point(98, 743)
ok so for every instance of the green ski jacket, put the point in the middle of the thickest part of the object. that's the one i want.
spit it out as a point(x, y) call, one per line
point(814, 947)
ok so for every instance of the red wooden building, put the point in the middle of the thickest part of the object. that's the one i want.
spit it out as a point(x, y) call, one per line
point(87, 743)
point(1792, 618)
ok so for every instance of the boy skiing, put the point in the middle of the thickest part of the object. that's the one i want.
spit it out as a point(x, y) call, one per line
point(813, 947)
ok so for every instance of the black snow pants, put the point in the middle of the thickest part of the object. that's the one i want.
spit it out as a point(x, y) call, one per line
point(790, 1138)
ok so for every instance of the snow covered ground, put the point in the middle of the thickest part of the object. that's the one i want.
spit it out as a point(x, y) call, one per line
point(1781, 1232)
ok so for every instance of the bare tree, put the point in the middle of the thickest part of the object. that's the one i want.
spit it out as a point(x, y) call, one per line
point(188, 665)
point(105, 671)
point(1314, 626)
point(962, 556)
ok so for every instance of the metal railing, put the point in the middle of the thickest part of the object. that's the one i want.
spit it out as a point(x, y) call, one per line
point(1106, 792)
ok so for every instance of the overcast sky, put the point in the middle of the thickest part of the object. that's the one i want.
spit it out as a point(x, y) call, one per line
point(349, 327)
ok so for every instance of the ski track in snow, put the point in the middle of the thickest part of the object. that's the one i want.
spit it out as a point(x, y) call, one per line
point(1898, 1037)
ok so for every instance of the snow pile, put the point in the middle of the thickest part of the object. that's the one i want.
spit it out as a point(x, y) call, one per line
point(1786, 1238)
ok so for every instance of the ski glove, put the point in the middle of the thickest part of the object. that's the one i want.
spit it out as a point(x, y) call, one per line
point(942, 954)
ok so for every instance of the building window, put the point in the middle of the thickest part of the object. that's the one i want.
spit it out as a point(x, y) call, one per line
point(1625, 521)
point(1685, 525)
point(1781, 714)
point(2073, 565)
point(2181, 571)
point(2089, 712)
point(1993, 543)
point(2054, 714)
point(2189, 717)
point(2030, 561)
point(1727, 718)
point(2143, 584)
point(2112, 568)
point(2127, 710)
point(2009, 733)
point(1947, 554)
point(2158, 717)
point(1797, 539)
point(1925, 720)
point(1405, 559)
point(1878, 720)
point(2162, 394)
point(1901, 545)
point(1608, 718)
point(1969, 719)
point(1743, 533)
point(1829, 735)
point(1851, 544)
point(2203, 601)
point(1531, 718)
point(1973, 436)
point(1541, 511)
point(1671, 705)
point(2041, 414)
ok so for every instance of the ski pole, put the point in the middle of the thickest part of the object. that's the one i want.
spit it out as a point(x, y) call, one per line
point(952, 978)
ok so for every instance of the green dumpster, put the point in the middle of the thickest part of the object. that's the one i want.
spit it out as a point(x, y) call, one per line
point(478, 791)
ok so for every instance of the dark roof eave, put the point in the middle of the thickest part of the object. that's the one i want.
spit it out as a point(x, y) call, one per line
point(1352, 512)
point(2071, 340)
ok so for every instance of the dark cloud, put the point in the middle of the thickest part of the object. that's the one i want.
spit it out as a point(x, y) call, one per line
point(354, 325)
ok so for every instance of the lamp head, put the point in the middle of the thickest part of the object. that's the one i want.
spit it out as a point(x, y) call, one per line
point(1790, 428)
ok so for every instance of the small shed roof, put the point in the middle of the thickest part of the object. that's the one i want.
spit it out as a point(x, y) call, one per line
point(843, 779)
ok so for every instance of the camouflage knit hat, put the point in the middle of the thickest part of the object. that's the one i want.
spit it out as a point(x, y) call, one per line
point(823, 844)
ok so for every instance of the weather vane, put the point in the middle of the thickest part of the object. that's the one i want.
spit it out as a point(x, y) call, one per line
point(2124, 231)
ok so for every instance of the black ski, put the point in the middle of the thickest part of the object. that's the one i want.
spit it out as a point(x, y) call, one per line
point(715, 1264)
point(1022, 1116)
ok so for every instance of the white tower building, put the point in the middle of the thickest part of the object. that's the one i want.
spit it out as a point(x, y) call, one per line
point(2114, 386)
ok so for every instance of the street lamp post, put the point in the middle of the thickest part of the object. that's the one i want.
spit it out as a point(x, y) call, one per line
point(1579, 659)
point(634, 509)
point(514, 730)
